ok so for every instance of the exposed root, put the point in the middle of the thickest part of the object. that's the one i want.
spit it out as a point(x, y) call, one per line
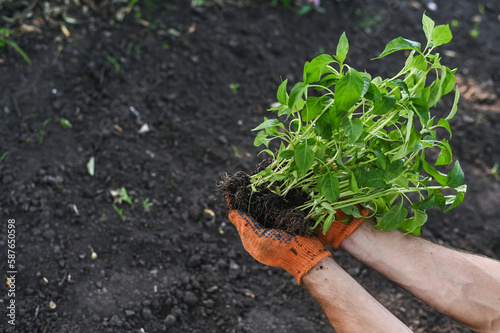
point(270, 209)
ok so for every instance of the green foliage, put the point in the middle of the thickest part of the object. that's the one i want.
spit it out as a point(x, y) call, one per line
point(493, 171)
point(41, 131)
point(65, 123)
point(234, 87)
point(303, 9)
point(115, 62)
point(146, 205)
point(121, 214)
point(4, 155)
point(349, 139)
point(4, 40)
point(125, 197)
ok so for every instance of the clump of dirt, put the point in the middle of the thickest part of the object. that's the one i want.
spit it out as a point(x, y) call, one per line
point(271, 210)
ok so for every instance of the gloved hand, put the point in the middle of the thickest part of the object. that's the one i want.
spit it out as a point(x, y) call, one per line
point(272, 247)
point(339, 230)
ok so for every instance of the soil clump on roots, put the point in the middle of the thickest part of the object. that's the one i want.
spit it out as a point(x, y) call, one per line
point(268, 208)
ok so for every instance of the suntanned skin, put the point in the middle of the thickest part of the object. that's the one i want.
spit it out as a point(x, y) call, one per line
point(347, 305)
point(463, 286)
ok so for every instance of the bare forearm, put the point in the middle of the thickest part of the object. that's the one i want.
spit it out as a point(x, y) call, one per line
point(463, 286)
point(347, 305)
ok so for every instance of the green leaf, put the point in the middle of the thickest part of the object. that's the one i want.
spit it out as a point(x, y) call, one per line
point(402, 181)
point(264, 173)
point(353, 211)
point(375, 179)
point(327, 81)
point(329, 186)
point(414, 143)
point(373, 93)
point(455, 105)
point(438, 176)
point(282, 110)
point(366, 85)
point(304, 158)
point(415, 80)
point(261, 138)
point(268, 123)
point(328, 222)
point(445, 124)
point(320, 151)
point(18, 49)
point(348, 90)
point(419, 62)
point(401, 84)
point(428, 25)
point(278, 177)
point(435, 92)
point(449, 80)
point(353, 129)
point(267, 151)
point(281, 94)
point(65, 123)
point(456, 176)
point(399, 44)
point(335, 118)
point(440, 199)
point(314, 106)
point(353, 184)
point(395, 135)
point(381, 159)
point(458, 200)
point(445, 156)
point(413, 225)
point(360, 174)
point(441, 35)
point(394, 170)
point(392, 219)
point(326, 205)
point(427, 203)
point(323, 127)
point(286, 154)
point(342, 48)
point(296, 95)
point(422, 110)
point(316, 68)
point(384, 105)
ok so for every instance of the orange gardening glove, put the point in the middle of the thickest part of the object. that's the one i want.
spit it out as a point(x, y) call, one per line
point(339, 230)
point(295, 254)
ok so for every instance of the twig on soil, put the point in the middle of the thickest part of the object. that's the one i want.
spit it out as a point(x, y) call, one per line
point(63, 279)
point(16, 105)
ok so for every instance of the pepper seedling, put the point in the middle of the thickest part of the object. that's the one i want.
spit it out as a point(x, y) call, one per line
point(352, 139)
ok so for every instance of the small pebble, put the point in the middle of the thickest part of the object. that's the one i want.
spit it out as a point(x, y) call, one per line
point(169, 320)
point(147, 314)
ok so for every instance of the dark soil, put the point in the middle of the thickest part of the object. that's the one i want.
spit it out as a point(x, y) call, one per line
point(180, 266)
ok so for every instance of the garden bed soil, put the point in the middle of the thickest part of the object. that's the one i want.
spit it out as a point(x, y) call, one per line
point(179, 266)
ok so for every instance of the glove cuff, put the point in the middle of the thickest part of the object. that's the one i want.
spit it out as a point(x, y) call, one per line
point(344, 230)
point(307, 252)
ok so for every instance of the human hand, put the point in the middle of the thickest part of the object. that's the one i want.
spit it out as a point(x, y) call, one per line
point(295, 254)
point(339, 230)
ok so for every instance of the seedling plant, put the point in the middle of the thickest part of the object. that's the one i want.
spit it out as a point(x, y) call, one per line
point(350, 139)
point(5, 40)
point(41, 131)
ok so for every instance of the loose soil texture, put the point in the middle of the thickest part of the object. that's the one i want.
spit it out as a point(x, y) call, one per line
point(150, 101)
